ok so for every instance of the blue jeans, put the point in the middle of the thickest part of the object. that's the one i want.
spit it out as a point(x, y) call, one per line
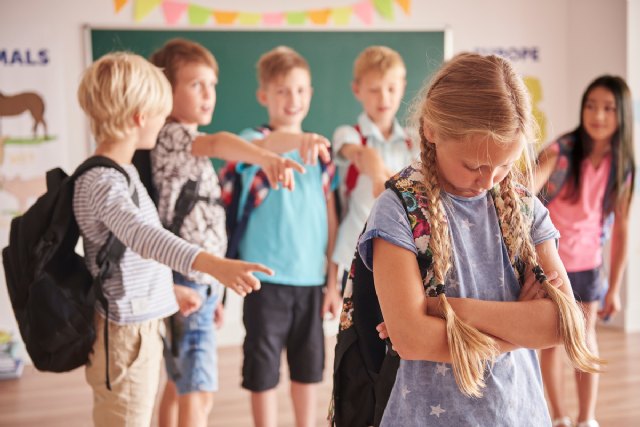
point(197, 359)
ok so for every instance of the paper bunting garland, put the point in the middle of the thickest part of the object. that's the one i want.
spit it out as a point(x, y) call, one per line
point(173, 12)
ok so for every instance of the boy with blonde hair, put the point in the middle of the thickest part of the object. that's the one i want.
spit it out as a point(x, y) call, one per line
point(182, 158)
point(294, 232)
point(368, 153)
point(127, 100)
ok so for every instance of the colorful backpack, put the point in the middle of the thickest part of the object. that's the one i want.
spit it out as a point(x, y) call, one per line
point(365, 366)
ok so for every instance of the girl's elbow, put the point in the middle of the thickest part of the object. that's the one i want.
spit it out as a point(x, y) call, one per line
point(404, 347)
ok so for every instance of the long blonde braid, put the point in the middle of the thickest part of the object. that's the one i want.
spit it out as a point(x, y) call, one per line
point(570, 317)
point(470, 349)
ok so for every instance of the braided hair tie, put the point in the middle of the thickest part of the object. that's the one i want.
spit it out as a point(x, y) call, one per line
point(439, 289)
point(540, 276)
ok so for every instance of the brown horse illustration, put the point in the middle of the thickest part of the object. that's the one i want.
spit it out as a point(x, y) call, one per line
point(21, 102)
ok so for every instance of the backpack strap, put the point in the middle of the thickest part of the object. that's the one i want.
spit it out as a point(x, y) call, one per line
point(111, 252)
point(561, 170)
point(351, 178)
point(186, 201)
point(408, 186)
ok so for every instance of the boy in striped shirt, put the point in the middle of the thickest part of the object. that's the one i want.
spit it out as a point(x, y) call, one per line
point(127, 100)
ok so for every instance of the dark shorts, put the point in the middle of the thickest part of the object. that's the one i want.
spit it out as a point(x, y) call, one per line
point(279, 317)
point(587, 285)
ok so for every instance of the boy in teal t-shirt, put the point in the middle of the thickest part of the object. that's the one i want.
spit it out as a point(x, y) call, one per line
point(294, 231)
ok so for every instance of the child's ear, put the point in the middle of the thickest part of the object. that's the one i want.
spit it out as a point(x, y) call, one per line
point(355, 88)
point(261, 96)
point(428, 133)
point(139, 119)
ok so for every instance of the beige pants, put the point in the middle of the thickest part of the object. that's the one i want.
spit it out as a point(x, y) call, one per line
point(135, 355)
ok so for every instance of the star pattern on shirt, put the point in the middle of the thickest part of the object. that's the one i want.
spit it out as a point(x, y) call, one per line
point(453, 283)
point(441, 369)
point(466, 224)
point(437, 410)
point(404, 391)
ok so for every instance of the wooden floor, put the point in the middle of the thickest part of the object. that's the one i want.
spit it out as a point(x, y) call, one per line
point(56, 400)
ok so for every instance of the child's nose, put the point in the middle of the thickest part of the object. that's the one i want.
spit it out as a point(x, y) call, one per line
point(384, 97)
point(485, 180)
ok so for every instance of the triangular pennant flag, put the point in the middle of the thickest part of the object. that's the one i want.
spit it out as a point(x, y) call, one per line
point(273, 18)
point(173, 11)
point(198, 15)
point(405, 5)
point(224, 18)
point(341, 15)
point(143, 7)
point(319, 17)
point(118, 4)
point(249, 18)
point(364, 11)
point(384, 8)
point(296, 18)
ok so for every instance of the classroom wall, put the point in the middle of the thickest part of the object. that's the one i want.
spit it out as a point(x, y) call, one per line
point(631, 316)
point(558, 45)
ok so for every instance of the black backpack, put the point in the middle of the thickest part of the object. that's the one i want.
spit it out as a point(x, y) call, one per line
point(52, 292)
point(365, 366)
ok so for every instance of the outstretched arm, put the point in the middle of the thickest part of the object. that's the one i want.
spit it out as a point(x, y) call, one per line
point(310, 145)
point(369, 163)
point(232, 148)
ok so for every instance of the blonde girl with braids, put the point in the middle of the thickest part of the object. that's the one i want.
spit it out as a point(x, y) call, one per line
point(585, 178)
point(468, 348)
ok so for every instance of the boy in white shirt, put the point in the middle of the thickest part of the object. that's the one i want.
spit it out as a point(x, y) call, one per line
point(370, 152)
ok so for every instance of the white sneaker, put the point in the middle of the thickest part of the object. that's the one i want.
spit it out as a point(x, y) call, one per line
point(562, 422)
point(589, 423)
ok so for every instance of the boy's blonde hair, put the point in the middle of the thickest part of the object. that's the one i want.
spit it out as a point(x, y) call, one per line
point(475, 95)
point(379, 59)
point(177, 52)
point(116, 87)
point(278, 62)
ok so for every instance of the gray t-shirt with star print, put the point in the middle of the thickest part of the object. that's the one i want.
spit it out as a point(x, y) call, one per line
point(425, 393)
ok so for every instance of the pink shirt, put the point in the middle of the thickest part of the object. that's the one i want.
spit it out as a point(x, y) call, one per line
point(580, 223)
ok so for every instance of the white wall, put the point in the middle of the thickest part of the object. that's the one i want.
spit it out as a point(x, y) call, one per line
point(631, 291)
point(575, 41)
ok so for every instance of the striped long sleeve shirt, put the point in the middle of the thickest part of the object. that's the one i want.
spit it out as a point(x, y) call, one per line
point(141, 288)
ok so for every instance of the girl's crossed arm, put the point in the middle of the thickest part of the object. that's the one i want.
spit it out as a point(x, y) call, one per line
point(418, 336)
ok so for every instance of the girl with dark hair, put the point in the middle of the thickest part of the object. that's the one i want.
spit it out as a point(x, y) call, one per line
point(585, 178)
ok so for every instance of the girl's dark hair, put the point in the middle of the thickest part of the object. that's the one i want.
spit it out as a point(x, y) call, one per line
point(623, 161)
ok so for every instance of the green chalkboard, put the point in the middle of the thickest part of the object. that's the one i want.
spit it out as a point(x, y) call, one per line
point(330, 55)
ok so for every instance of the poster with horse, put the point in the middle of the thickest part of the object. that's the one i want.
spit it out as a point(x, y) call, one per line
point(32, 131)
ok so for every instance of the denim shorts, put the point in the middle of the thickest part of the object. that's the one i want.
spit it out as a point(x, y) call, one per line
point(587, 285)
point(195, 368)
